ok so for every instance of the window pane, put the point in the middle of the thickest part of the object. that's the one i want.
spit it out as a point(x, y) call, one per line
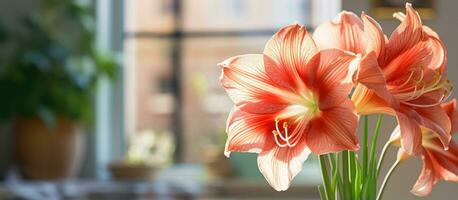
point(149, 16)
point(205, 104)
point(211, 15)
point(149, 66)
point(220, 29)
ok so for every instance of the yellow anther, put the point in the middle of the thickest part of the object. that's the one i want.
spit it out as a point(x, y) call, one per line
point(285, 124)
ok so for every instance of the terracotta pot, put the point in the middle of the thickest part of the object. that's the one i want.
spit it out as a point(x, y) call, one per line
point(131, 172)
point(217, 164)
point(45, 153)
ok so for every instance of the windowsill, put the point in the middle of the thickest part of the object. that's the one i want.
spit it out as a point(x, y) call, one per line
point(181, 181)
point(88, 189)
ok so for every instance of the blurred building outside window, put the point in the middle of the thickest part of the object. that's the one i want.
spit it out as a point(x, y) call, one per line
point(171, 53)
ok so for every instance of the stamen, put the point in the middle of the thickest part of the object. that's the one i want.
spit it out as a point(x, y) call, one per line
point(278, 130)
point(276, 139)
point(284, 137)
point(408, 79)
point(399, 15)
point(420, 87)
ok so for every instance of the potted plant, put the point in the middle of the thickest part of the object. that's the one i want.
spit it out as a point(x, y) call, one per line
point(148, 151)
point(48, 75)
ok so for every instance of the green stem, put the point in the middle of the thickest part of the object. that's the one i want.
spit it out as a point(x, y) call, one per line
point(372, 161)
point(336, 160)
point(325, 176)
point(345, 175)
point(352, 168)
point(322, 192)
point(335, 173)
point(382, 157)
point(366, 122)
point(387, 178)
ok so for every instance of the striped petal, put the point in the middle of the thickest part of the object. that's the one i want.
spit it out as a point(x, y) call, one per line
point(406, 35)
point(373, 38)
point(436, 119)
point(350, 33)
point(280, 165)
point(244, 79)
point(344, 32)
point(411, 136)
point(426, 180)
point(287, 52)
point(450, 109)
point(368, 102)
point(334, 130)
point(327, 74)
point(247, 132)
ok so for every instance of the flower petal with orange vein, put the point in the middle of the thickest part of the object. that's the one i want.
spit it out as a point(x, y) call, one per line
point(326, 74)
point(287, 52)
point(344, 32)
point(368, 102)
point(334, 130)
point(406, 35)
point(437, 164)
point(371, 76)
point(411, 136)
point(450, 109)
point(280, 165)
point(426, 180)
point(247, 84)
point(374, 39)
point(247, 132)
point(436, 119)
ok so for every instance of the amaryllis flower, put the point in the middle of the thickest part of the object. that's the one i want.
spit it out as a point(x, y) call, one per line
point(289, 101)
point(438, 164)
point(403, 75)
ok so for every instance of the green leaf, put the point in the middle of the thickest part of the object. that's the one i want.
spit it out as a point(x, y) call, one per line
point(322, 192)
point(326, 179)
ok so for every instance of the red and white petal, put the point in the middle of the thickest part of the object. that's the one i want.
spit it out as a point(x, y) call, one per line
point(406, 35)
point(426, 180)
point(344, 32)
point(439, 55)
point(291, 45)
point(286, 52)
point(450, 109)
point(371, 76)
point(437, 164)
point(327, 74)
point(247, 132)
point(411, 136)
point(280, 165)
point(445, 162)
point(373, 37)
point(419, 54)
point(436, 119)
point(245, 80)
point(368, 102)
point(334, 130)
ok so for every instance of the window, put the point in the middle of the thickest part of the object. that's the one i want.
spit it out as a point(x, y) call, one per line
point(171, 53)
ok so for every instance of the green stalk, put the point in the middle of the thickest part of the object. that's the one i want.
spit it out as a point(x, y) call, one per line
point(382, 157)
point(345, 175)
point(387, 178)
point(325, 176)
point(322, 192)
point(372, 162)
point(366, 125)
point(336, 174)
point(352, 166)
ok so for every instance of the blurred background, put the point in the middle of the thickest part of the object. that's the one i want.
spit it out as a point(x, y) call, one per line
point(113, 99)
